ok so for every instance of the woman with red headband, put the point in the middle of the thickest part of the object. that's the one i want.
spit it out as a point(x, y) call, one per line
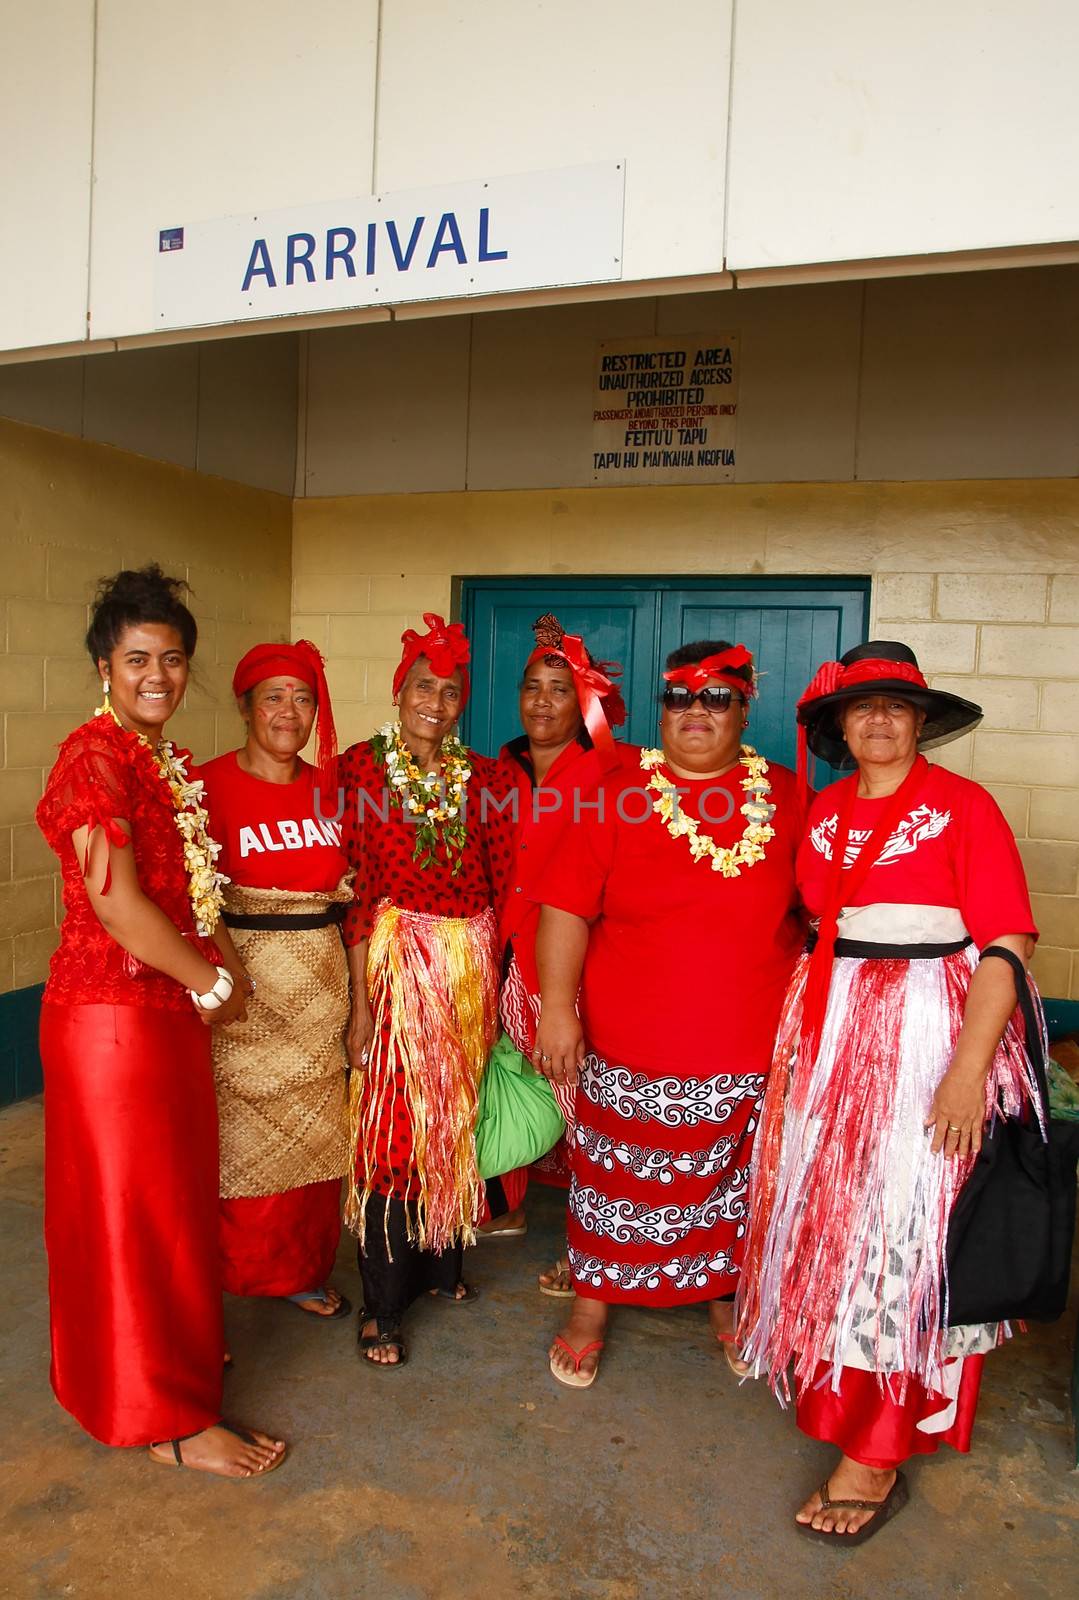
point(428, 829)
point(281, 1074)
point(674, 910)
point(893, 1046)
point(568, 704)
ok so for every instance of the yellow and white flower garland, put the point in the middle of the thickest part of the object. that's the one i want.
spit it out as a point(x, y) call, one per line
point(434, 799)
point(747, 850)
point(205, 884)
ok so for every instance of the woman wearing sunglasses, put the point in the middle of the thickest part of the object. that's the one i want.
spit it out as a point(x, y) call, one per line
point(673, 905)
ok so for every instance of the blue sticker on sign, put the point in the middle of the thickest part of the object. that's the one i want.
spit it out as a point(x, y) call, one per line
point(170, 239)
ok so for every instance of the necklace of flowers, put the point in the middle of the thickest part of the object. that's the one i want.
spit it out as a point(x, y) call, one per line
point(433, 800)
point(205, 884)
point(747, 850)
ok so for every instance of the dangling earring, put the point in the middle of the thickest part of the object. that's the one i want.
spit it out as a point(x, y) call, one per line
point(105, 708)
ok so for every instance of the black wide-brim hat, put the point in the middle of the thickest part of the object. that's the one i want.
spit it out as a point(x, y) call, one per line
point(947, 716)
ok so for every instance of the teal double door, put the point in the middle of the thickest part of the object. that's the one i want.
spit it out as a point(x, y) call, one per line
point(790, 624)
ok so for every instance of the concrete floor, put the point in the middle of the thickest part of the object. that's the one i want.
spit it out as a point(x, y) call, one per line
point(472, 1473)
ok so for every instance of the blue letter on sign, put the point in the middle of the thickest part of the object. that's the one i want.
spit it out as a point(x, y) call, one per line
point(447, 237)
point(259, 266)
point(299, 258)
point(487, 254)
point(343, 252)
point(404, 261)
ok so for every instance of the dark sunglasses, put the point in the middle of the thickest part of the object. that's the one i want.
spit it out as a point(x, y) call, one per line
point(679, 698)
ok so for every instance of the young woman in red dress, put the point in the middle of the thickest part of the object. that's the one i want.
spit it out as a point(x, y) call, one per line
point(673, 909)
point(281, 1074)
point(432, 856)
point(130, 1115)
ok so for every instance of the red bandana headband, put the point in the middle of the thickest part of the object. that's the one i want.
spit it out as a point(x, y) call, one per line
point(832, 677)
point(446, 647)
point(599, 698)
point(720, 666)
point(300, 660)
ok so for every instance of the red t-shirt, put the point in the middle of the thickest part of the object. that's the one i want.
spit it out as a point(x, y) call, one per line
point(271, 835)
point(685, 969)
point(953, 848)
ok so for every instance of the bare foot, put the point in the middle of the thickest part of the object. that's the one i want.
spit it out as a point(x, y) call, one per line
point(512, 1222)
point(383, 1355)
point(315, 1306)
point(587, 1321)
point(461, 1291)
point(224, 1453)
point(557, 1280)
point(721, 1316)
point(849, 1481)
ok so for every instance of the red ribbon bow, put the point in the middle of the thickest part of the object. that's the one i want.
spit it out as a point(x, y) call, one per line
point(445, 646)
point(720, 666)
point(600, 700)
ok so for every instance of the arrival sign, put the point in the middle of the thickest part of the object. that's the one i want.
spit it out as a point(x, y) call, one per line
point(484, 237)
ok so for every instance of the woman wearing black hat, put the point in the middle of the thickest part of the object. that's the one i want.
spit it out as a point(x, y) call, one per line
point(892, 1046)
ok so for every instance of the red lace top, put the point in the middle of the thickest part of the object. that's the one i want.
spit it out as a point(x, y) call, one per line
point(381, 851)
point(103, 773)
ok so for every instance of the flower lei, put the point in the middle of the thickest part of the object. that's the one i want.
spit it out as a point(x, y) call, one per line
point(749, 849)
point(434, 799)
point(204, 883)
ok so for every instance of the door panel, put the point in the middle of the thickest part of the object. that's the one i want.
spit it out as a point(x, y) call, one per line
point(790, 624)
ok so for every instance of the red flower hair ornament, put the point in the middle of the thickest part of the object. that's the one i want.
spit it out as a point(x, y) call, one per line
point(445, 645)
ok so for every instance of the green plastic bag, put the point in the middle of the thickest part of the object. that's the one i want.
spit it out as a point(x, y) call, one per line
point(517, 1116)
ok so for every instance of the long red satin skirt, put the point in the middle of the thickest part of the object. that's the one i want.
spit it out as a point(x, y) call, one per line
point(872, 1427)
point(131, 1169)
point(274, 1244)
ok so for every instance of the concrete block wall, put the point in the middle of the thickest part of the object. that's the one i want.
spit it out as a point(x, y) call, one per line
point(71, 513)
point(980, 578)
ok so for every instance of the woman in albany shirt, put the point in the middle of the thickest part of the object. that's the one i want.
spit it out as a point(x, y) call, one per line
point(281, 1075)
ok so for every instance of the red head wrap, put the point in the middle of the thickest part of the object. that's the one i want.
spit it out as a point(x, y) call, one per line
point(697, 673)
point(300, 660)
point(445, 646)
point(599, 698)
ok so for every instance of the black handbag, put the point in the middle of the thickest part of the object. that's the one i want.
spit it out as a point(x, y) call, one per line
point(1011, 1228)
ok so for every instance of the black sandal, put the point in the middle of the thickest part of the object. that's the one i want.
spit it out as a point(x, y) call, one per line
point(385, 1338)
point(229, 1427)
point(883, 1511)
point(471, 1293)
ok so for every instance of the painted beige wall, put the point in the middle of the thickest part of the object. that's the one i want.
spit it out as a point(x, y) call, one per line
point(70, 513)
point(981, 578)
point(967, 376)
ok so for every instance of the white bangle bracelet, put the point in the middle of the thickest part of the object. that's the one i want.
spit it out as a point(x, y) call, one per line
point(216, 997)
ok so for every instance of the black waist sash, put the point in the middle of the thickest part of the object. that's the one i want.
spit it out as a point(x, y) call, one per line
point(277, 921)
point(892, 952)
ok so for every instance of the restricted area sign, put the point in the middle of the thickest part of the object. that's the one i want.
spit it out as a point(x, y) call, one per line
point(665, 410)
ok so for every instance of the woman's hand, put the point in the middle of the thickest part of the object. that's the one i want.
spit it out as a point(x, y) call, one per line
point(234, 1009)
point(559, 1050)
point(360, 1035)
point(957, 1115)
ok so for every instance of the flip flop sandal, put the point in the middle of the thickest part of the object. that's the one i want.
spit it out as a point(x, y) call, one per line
point(384, 1339)
point(502, 1233)
point(230, 1427)
point(555, 1291)
point(740, 1368)
point(318, 1294)
point(576, 1379)
point(471, 1293)
point(883, 1511)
